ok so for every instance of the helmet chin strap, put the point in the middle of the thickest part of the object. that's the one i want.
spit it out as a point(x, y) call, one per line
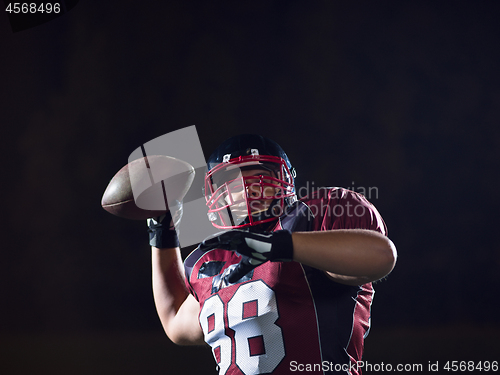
point(263, 215)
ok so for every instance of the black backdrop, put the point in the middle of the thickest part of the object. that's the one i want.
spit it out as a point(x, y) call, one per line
point(397, 97)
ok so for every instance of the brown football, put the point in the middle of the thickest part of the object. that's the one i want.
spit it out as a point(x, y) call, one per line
point(139, 190)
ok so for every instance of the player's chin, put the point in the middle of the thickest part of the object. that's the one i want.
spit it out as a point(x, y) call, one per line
point(239, 215)
point(258, 208)
point(259, 212)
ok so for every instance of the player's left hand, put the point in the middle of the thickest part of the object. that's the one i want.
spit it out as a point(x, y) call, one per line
point(254, 248)
point(258, 247)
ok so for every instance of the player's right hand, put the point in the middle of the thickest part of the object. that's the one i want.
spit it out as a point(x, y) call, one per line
point(162, 232)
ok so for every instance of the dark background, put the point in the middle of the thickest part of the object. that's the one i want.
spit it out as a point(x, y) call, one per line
point(397, 96)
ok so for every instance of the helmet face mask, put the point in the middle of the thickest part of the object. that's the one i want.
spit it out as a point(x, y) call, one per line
point(248, 190)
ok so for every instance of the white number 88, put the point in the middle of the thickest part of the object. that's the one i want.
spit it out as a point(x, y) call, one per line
point(251, 313)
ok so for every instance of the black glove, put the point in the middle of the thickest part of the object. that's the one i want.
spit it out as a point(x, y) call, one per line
point(162, 233)
point(254, 248)
point(245, 265)
point(259, 247)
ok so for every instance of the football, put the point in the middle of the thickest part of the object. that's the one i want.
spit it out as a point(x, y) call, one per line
point(143, 188)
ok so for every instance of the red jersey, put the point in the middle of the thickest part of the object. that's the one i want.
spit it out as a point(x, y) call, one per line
point(284, 316)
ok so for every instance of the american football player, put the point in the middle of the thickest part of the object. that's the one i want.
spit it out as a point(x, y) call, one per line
point(287, 283)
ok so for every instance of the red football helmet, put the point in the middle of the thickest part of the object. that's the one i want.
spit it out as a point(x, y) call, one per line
point(249, 182)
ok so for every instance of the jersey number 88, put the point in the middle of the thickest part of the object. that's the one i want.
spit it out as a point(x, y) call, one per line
point(251, 313)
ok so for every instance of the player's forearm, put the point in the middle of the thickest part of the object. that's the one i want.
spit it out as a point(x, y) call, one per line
point(350, 252)
point(169, 290)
